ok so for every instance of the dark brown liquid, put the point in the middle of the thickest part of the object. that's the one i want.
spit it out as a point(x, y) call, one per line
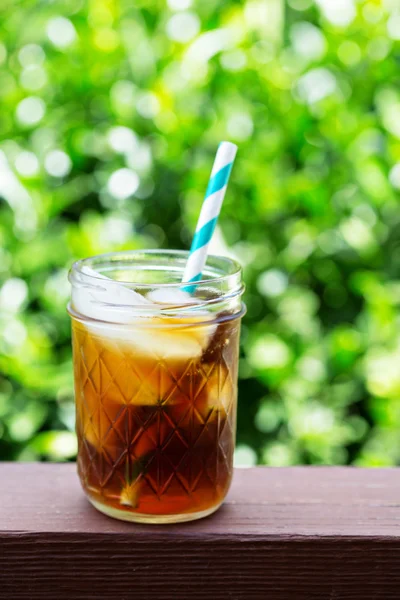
point(156, 436)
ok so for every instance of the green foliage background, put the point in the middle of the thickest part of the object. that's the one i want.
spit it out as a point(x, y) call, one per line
point(111, 112)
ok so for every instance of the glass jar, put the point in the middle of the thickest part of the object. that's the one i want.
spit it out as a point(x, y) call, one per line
point(155, 383)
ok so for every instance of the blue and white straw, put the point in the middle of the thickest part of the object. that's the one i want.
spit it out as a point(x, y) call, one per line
point(209, 213)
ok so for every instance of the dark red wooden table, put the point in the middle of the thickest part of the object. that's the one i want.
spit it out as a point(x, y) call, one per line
point(301, 534)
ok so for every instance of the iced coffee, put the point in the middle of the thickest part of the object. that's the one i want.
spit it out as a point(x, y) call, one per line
point(155, 384)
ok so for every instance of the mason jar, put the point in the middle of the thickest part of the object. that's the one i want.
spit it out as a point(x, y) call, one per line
point(155, 372)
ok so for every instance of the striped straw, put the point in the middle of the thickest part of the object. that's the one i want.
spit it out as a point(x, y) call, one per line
point(209, 213)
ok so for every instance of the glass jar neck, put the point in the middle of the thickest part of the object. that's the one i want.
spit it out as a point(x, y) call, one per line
point(118, 286)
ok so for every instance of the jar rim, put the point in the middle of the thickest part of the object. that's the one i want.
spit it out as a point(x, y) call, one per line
point(219, 292)
point(232, 274)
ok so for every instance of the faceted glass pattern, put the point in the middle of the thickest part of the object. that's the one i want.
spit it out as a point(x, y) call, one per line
point(156, 434)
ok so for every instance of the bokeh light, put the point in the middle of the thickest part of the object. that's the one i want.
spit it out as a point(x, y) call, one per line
point(30, 111)
point(57, 163)
point(61, 32)
point(111, 114)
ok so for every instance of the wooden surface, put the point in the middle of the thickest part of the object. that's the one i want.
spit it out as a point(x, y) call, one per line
point(299, 534)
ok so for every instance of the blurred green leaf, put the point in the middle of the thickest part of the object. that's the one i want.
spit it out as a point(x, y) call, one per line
point(111, 114)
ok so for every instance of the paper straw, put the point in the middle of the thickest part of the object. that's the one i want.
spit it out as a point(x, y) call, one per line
point(209, 213)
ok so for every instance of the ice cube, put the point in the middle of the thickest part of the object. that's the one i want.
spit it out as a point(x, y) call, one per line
point(130, 494)
point(98, 298)
point(171, 337)
point(174, 338)
point(157, 338)
point(172, 297)
point(191, 336)
point(218, 395)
